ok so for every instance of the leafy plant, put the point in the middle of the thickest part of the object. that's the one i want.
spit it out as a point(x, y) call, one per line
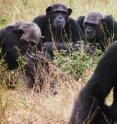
point(76, 63)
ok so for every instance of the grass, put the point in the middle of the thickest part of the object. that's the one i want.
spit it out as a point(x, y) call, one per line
point(26, 107)
point(14, 10)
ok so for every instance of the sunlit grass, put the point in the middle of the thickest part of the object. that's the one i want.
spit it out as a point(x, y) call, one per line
point(14, 10)
point(24, 107)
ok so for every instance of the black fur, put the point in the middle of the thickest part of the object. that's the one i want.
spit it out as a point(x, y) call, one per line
point(21, 39)
point(105, 35)
point(70, 33)
point(90, 104)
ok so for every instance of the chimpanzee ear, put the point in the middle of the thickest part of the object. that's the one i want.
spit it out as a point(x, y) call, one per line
point(104, 20)
point(19, 32)
point(108, 19)
point(69, 11)
point(107, 22)
point(48, 10)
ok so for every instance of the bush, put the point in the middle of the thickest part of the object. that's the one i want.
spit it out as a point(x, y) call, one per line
point(76, 63)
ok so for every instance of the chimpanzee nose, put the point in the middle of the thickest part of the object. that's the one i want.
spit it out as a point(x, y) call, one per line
point(60, 18)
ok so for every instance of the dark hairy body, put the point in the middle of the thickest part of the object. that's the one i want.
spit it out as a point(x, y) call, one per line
point(20, 40)
point(58, 28)
point(90, 105)
point(99, 30)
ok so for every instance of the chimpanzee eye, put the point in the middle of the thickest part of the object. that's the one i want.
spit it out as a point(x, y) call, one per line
point(32, 44)
point(60, 12)
point(56, 12)
point(64, 13)
point(91, 25)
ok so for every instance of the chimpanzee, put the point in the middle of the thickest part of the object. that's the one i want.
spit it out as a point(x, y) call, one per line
point(21, 39)
point(99, 30)
point(90, 107)
point(57, 27)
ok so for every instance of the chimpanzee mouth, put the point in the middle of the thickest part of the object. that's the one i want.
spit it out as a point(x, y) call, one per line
point(90, 36)
point(59, 25)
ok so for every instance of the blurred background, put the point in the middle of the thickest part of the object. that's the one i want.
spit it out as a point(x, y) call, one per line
point(13, 10)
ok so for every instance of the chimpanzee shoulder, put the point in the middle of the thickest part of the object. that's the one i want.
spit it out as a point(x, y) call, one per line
point(7, 42)
point(8, 37)
point(76, 30)
point(72, 22)
point(4, 31)
point(110, 24)
point(41, 21)
point(80, 21)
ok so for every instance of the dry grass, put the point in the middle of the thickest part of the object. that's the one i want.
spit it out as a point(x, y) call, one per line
point(22, 106)
point(26, 107)
point(14, 10)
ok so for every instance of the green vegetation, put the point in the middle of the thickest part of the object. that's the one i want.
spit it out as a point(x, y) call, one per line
point(26, 107)
point(76, 63)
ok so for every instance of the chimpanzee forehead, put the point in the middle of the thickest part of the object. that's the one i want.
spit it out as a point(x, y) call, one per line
point(59, 7)
point(30, 30)
point(93, 18)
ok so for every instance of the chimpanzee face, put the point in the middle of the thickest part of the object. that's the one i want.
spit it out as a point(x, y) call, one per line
point(90, 30)
point(29, 35)
point(59, 19)
point(58, 15)
point(93, 25)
